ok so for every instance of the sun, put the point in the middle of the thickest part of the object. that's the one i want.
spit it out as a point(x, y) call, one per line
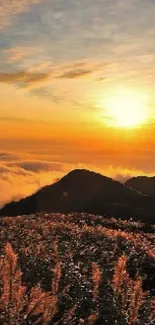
point(126, 109)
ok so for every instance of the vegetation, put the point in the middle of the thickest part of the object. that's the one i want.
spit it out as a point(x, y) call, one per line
point(76, 269)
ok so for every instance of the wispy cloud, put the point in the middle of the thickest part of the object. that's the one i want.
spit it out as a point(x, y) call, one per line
point(17, 53)
point(24, 78)
point(73, 70)
point(45, 72)
point(76, 73)
point(10, 8)
point(37, 165)
point(14, 54)
point(7, 156)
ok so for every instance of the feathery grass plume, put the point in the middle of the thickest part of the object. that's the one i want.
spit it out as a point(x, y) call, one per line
point(55, 248)
point(136, 300)
point(120, 274)
point(92, 319)
point(121, 283)
point(12, 297)
point(56, 270)
point(15, 305)
point(41, 303)
point(69, 314)
point(56, 278)
point(129, 292)
point(81, 321)
point(50, 309)
point(96, 277)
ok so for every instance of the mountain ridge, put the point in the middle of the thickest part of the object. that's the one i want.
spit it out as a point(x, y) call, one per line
point(144, 184)
point(82, 190)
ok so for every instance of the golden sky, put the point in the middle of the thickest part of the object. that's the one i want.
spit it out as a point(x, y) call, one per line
point(77, 88)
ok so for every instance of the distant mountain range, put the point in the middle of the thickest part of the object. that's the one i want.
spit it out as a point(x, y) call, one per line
point(86, 191)
point(142, 184)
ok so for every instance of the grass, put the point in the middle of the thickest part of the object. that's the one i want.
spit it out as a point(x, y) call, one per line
point(76, 269)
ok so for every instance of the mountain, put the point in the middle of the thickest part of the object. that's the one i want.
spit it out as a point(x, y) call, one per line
point(142, 184)
point(85, 191)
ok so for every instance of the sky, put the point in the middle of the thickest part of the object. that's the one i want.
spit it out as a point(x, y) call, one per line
point(77, 90)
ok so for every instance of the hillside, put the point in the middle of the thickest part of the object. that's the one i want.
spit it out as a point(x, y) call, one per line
point(85, 191)
point(143, 184)
point(76, 269)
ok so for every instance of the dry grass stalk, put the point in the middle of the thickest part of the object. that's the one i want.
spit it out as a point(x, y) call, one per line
point(56, 278)
point(128, 291)
point(12, 297)
point(92, 319)
point(96, 277)
point(15, 305)
point(136, 300)
point(70, 313)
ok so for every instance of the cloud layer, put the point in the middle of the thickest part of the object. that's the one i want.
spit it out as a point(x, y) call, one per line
point(19, 179)
point(21, 176)
point(23, 77)
point(42, 73)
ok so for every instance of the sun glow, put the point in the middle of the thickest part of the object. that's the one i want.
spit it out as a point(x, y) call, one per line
point(126, 109)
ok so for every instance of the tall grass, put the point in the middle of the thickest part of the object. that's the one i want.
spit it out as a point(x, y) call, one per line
point(16, 305)
point(76, 269)
point(127, 291)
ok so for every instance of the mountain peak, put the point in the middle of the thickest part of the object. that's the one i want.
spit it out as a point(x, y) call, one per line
point(86, 173)
point(82, 190)
point(78, 171)
point(81, 171)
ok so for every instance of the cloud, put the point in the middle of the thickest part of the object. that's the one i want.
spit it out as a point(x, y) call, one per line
point(44, 73)
point(20, 179)
point(80, 69)
point(37, 166)
point(20, 175)
point(8, 156)
point(77, 73)
point(15, 54)
point(23, 78)
point(30, 57)
point(119, 173)
point(10, 8)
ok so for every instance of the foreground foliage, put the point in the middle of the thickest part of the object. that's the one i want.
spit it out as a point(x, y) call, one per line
point(76, 269)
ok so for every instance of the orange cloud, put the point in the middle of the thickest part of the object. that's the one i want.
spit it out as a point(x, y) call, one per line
point(20, 175)
point(24, 77)
point(79, 69)
point(17, 182)
point(75, 73)
point(43, 72)
point(17, 53)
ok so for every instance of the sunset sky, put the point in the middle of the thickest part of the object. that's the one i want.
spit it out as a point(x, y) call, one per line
point(77, 89)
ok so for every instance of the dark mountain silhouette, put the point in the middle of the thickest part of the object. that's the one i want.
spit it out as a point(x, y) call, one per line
point(142, 184)
point(85, 191)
